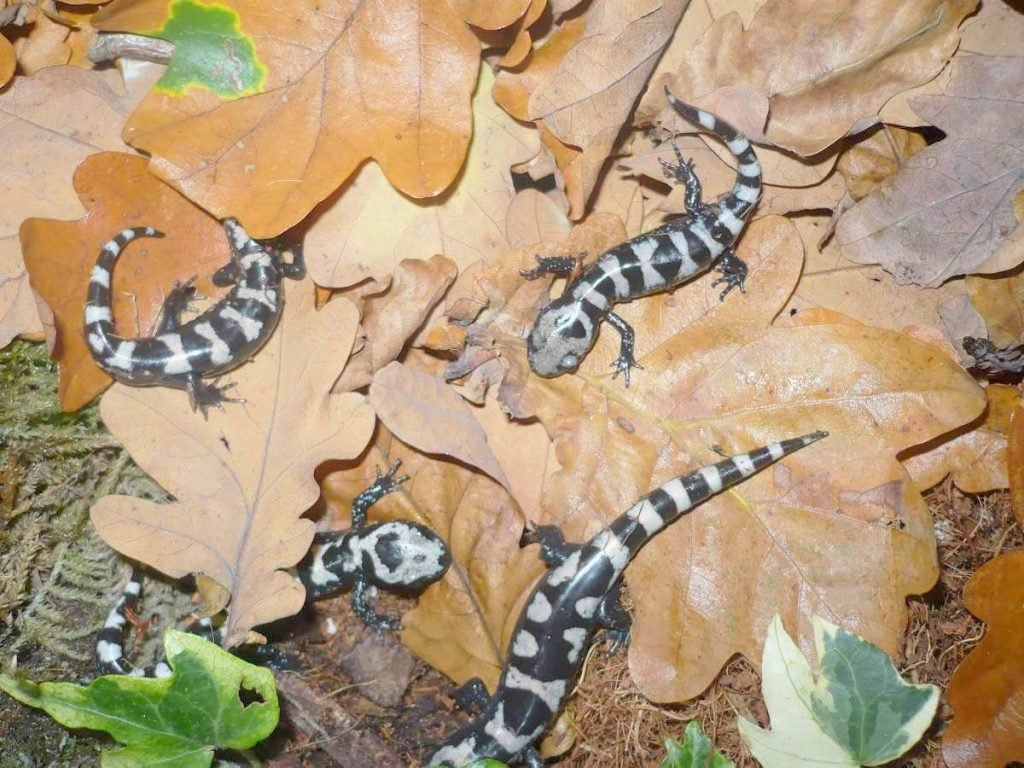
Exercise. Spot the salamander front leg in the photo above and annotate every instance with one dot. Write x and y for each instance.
(382, 486)
(625, 361)
(734, 272)
(472, 696)
(177, 302)
(553, 549)
(553, 265)
(361, 608)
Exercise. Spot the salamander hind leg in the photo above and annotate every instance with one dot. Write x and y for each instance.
(734, 272)
(203, 395)
(615, 618)
(472, 696)
(553, 549)
(296, 269)
(682, 172)
(177, 302)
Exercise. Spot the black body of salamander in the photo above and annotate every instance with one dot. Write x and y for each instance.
(659, 260)
(579, 594)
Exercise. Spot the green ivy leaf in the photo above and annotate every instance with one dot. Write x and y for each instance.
(860, 712)
(176, 721)
(696, 751)
(211, 51)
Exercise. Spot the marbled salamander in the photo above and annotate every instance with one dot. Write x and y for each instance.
(565, 609)
(659, 260)
(221, 338)
(399, 555)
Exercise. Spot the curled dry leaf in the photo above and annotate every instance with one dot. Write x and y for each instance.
(242, 479)
(345, 82)
(50, 123)
(876, 157)
(390, 318)
(369, 227)
(826, 67)
(118, 192)
(583, 107)
(838, 531)
(488, 14)
(949, 210)
(424, 411)
(1015, 461)
(987, 689)
(1000, 301)
(8, 62)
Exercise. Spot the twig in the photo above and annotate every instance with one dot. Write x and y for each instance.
(115, 45)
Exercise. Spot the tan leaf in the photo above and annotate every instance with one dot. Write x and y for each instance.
(977, 457)
(534, 218)
(345, 81)
(488, 14)
(49, 123)
(841, 532)
(367, 230)
(423, 411)
(987, 689)
(390, 318)
(118, 192)
(876, 157)
(242, 479)
(826, 67)
(949, 210)
(1000, 300)
(55, 41)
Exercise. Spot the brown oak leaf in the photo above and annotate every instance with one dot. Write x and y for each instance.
(839, 531)
(242, 479)
(49, 123)
(949, 210)
(987, 689)
(346, 82)
(118, 191)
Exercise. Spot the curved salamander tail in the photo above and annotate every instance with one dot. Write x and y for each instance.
(99, 324)
(747, 189)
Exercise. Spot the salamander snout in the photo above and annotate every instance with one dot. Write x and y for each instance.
(558, 342)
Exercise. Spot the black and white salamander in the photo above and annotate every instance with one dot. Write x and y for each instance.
(580, 593)
(180, 354)
(400, 555)
(659, 260)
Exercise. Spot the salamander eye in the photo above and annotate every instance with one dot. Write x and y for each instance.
(569, 362)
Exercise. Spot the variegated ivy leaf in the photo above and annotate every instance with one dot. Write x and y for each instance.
(858, 712)
(696, 751)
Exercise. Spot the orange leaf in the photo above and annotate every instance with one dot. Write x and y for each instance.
(987, 689)
(8, 61)
(345, 82)
(118, 192)
(1015, 462)
(243, 479)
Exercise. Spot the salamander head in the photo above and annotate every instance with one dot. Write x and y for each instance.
(560, 339)
(403, 555)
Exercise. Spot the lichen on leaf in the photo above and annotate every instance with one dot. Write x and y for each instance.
(243, 478)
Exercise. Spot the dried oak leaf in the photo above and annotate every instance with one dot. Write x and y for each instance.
(462, 624)
(977, 457)
(1015, 461)
(55, 39)
(366, 229)
(949, 209)
(8, 62)
(839, 531)
(48, 124)
(581, 106)
(987, 689)
(390, 318)
(1000, 301)
(826, 67)
(243, 478)
(289, 99)
(118, 191)
(487, 14)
